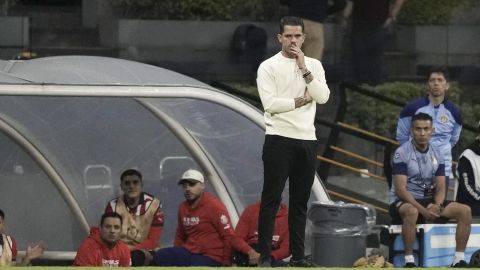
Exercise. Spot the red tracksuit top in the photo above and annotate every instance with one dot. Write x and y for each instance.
(206, 229)
(247, 229)
(94, 252)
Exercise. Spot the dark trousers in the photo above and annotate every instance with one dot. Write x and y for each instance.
(296, 160)
(368, 42)
(179, 256)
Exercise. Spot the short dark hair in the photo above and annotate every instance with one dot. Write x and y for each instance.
(422, 116)
(290, 20)
(110, 215)
(2, 214)
(441, 70)
(131, 172)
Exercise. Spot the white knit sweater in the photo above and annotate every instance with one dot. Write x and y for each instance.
(279, 82)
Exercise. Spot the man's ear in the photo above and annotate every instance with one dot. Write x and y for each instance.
(279, 37)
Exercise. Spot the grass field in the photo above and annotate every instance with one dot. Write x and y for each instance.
(168, 268)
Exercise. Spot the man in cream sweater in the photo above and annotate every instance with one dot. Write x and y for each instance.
(289, 84)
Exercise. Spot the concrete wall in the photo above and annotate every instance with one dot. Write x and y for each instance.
(207, 43)
(14, 31)
(205, 46)
(432, 44)
(174, 40)
(14, 36)
(454, 45)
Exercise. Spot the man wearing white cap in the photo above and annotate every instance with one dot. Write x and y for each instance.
(205, 235)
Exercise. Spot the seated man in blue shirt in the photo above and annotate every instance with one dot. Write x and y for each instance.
(418, 191)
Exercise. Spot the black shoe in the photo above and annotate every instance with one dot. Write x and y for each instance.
(137, 258)
(410, 265)
(265, 262)
(460, 264)
(302, 263)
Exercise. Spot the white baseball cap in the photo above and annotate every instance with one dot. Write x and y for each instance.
(190, 175)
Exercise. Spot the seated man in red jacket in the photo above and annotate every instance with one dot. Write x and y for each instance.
(103, 247)
(247, 229)
(205, 235)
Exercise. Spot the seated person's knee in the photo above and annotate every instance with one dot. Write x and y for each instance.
(409, 213)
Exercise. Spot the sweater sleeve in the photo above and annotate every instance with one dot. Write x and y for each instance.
(86, 256)
(268, 94)
(243, 225)
(180, 235)
(242, 231)
(318, 88)
(223, 225)
(457, 129)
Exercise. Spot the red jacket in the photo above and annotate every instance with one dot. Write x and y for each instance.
(247, 229)
(94, 252)
(206, 229)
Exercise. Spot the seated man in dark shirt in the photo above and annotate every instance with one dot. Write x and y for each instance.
(468, 186)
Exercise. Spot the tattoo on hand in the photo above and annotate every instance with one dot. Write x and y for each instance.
(309, 78)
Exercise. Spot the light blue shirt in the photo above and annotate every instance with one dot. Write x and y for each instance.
(421, 168)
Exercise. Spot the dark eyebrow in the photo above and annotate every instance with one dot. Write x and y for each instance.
(131, 181)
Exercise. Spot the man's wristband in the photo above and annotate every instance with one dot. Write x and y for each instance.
(306, 74)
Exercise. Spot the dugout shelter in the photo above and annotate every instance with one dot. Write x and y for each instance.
(70, 125)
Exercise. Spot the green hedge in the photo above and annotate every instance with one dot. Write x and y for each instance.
(260, 10)
(439, 12)
(381, 118)
(415, 12)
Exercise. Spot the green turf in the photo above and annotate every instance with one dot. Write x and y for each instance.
(168, 268)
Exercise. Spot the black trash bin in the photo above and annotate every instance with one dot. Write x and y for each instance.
(339, 234)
